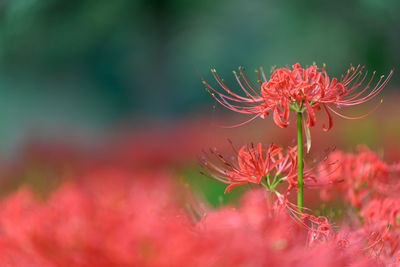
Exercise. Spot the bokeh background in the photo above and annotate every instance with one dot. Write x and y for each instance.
(79, 74)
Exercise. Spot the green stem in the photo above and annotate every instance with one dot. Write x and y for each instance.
(300, 161)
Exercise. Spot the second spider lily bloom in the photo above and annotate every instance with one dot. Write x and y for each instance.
(256, 164)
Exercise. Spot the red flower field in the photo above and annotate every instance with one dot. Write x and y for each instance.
(65, 204)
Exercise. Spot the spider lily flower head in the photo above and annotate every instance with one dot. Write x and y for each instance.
(250, 164)
(298, 89)
(308, 89)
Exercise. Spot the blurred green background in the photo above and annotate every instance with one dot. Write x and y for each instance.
(90, 65)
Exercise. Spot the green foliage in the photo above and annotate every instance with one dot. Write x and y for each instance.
(212, 191)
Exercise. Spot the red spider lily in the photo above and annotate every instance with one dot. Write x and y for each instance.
(297, 89)
(386, 210)
(383, 214)
(250, 165)
(306, 90)
(363, 174)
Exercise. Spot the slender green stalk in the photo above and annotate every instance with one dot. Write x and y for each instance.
(300, 160)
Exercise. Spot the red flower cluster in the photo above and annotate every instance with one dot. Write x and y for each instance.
(372, 186)
(110, 219)
(386, 210)
(298, 89)
(382, 214)
(358, 176)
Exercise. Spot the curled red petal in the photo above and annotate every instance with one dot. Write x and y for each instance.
(330, 122)
(311, 115)
(278, 120)
(286, 110)
(264, 86)
(231, 186)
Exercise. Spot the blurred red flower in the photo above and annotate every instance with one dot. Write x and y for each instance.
(358, 176)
